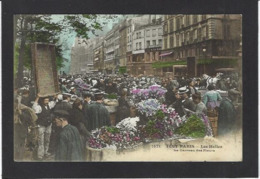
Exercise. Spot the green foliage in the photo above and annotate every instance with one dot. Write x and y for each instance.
(168, 64)
(111, 96)
(150, 129)
(113, 130)
(194, 127)
(222, 62)
(159, 114)
(42, 28)
(122, 70)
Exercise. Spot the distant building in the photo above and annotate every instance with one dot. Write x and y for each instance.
(202, 42)
(82, 56)
(111, 51)
(144, 47)
(122, 46)
(98, 62)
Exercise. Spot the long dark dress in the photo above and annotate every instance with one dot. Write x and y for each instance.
(77, 120)
(227, 117)
(98, 116)
(69, 146)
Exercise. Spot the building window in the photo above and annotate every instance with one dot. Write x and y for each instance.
(154, 42)
(154, 33)
(191, 36)
(140, 45)
(204, 31)
(148, 33)
(195, 34)
(195, 19)
(177, 23)
(160, 32)
(187, 36)
(136, 46)
(203, 17)
(171, 25)
(165, 27)
(171, 41)
(199, 34)
(160, 42)
(177, 40)
(187, 20)
(148, 43)
(165, 43)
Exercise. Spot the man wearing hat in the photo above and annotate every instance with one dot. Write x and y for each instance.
(73, 91)
(62, 104)
(43, 110)
(183, 101)
(228, 115)
(97, 113)
(69, 145)
(187, 102)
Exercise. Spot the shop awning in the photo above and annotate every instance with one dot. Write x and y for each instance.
(165, 54)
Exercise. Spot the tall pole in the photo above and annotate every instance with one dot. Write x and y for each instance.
(204, 52)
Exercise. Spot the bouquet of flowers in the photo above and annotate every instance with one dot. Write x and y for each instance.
(148, 107)
(122, 136)
(172, 117)
(154, 91)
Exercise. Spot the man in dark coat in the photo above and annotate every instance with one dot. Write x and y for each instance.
(62, 104)
(98, 115)
(170, 96)
(69, 146)
(187, 102)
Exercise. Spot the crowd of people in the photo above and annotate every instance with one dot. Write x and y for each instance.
(58, 126)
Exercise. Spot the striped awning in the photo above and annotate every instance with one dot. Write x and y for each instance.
(165, 54)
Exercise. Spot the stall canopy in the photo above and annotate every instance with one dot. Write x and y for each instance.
(165, 54)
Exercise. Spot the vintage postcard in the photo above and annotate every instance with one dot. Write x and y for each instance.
(125, 88)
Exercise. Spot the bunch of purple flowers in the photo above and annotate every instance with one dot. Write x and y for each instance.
(154, 91)
(148, 107)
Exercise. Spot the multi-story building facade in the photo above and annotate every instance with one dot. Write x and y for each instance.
(98, 62)
(122, 46)
(111, 60)
(204, 42)
(146, 46)
(135, 44)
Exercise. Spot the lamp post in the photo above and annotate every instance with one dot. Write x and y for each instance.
(204, 52)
